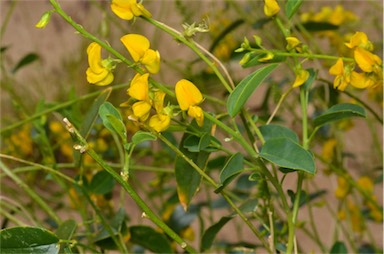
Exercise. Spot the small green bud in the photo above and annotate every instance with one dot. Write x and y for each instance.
(44, 19)
(245, 58)
(258, 40)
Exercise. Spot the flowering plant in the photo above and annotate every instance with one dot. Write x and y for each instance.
(247, 129)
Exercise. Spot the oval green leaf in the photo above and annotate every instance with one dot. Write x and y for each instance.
(28, 240)
(141, 136)
(112, 119)
(102, 183)
(277, 131)
(288, 154)
(210, 234)
(27, 59)
(150, 239)
(338, 112)
(233, 167)
(246, 87)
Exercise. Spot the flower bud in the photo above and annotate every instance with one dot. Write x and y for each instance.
(44, 20)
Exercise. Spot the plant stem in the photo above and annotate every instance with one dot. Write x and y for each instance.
(128, 188)
(197, 49)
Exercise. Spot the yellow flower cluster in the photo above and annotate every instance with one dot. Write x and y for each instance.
(371, 67)
(336, 16)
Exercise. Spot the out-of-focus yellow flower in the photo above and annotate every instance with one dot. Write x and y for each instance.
(301, 76)
(138, 46)
(99, 71)
(188, 233)
(139, 90)
(329, 148)
(360, 39)
(189, 96)
(357, 220)
(366, 184)
(335, 16)
(343, 75)
(374, 212)
(128, 9)
(293, 43)
(271, 8)
(342, 188)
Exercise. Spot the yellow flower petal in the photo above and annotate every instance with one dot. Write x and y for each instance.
(187, 94)
(360, 39)
(293, 42)
(159, 122)
(141, 110)
(366, 60)
(271, 7)
(360, 80)
(158, 101)
(136, 45)
(102, 79)
(337, 68)
(94, 57)
(139, 87)
(151, 60)
(197, 113)
(301, 77)
(123, 8)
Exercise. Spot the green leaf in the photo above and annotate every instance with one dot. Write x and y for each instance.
(197, 144)
(117, 225)
(66, 229)
(339, 248)
(245, 88)
(102, 183)
(141, 136)
(288, 154)
(271, 131)
(65, 232)
(27, 59)
(291, 7)
(150, 239)
(233, 167)
(90, 119)
(112, 120)
(210, 234)
(92, 113)
(319, 26)
(256, 58)
(338, 112)
(20, 240)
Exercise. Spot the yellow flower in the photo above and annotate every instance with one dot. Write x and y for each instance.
(360, 39)
(329, 148)
(343, 75)
(293, 43)
(99, 71)
(138, 46)
(342, 188)
(271, 7)
(188, 96)
(128, 9)
(363, 80)
(366, 184)
(160, 122)
(139, 90)
(356, 218)
(367, 61)
(301, 77)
